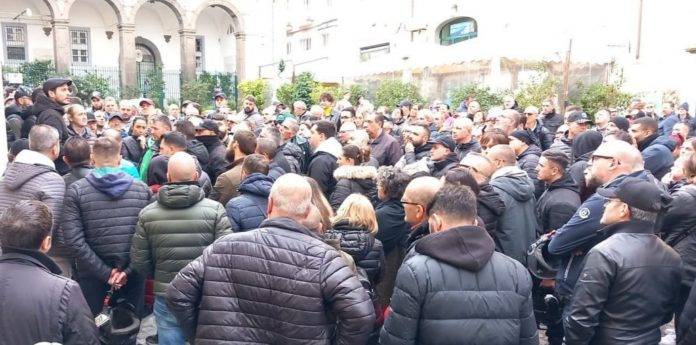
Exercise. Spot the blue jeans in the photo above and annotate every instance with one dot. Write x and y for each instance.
(168, 331)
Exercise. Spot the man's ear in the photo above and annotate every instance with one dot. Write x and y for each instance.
(46, 244)
(269, 208)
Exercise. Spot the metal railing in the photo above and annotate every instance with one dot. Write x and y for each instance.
(110, 73)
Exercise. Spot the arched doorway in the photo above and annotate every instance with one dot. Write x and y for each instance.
(146, 60)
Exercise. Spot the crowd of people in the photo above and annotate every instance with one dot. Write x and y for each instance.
(346, 223)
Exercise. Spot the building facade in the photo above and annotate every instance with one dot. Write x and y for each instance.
(123, 39)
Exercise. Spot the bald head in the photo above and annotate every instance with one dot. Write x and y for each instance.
(630, 158)
(291, 197)
(480, 165)
(422, 190)
(502, 155)
(182, 168)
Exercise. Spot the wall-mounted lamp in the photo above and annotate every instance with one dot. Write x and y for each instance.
(109, 34)
(47, 30)
(167, 38)
(27, 12)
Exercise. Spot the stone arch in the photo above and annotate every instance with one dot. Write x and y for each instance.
(227, 6)
(115, 5)
(173, 5)
(52, 8)
(151, 46)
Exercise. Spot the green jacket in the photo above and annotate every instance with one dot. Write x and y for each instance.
(174, 231)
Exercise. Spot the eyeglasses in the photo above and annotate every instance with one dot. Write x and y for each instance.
(411, 203)
(469, 167)
(345, 117)
(530, 113)
(594, 157)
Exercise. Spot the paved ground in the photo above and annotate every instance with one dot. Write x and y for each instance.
(147, 328)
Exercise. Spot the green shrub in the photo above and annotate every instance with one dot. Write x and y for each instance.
(197, 91)
(155, 86)
(36, 72)
(90, 82)
(257, 88)
(303, 87)
(284, 94)
(390, 92)
(486, 97)
(596, 96)
(540, 87)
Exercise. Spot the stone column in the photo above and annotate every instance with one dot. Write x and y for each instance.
(240, 64)
(188, 54)
(61, 45)
(126, 59)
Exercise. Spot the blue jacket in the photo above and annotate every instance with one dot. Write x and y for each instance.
(581, 234)
(248, 210)
(666, 125)
(657, 155)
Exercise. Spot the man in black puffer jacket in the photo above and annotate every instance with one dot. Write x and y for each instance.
(99, 220)
(207, 133)
(133, 146)
(562, 196)
(248, 210)
(489, 205)
(527, 157)
(457, 266)
(259, 274)
(38, 305)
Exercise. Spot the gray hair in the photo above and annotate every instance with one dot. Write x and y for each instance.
(292, 196)
(646, 216)
(43, 138)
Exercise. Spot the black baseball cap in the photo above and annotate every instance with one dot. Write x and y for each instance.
(444, 140)
(638, 193)
(210, 125)
(405, 103)
(579, 117)
(117, 116)
(219, 94)
(90, 117)
(523, 136)
(53, 83)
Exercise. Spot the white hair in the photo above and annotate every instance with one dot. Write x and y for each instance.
(291, 195)
(359, 138)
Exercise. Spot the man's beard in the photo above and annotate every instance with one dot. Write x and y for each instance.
(229, 155)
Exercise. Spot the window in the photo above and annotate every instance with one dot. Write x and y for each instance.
(289, 48)
(325, 39)
(15, 39)
(458, 30)
(370, 52)
(200, 54)
(79, 46)
(306, 43)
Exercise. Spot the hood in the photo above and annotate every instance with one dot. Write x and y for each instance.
(197, 149)
(467, 247)
(17, 174)
(586, 142)
(44, 103)
(665, 141)
(514, 182)
(257, 184)
(353, 240)
(110, 181)
(490, 198)
(532, 150)
(330, 146)
(565, 182)
(209, 141)
(33, 157)
(355, 172)
(179, 195)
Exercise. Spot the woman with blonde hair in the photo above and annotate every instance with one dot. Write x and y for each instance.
(320, 202)
(355, 227)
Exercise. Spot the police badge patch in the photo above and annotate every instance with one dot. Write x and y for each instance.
(584, 213)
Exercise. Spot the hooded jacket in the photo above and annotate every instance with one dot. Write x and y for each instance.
(624, 295)
(454, 268)
(528, 162)
(557, 205)
(440, 168)
(354, 179)
(565, 145)
(657, 154)
(196, 148)
(174, 231)
(294, 155)
(248, 210)
(321, 167)
(517, 225)
(362, 246)
(32, 177)
(541, 136)
(50, 113)
(552, 121)
(489, 206)
(99, 220)
(38, 305)
(286, 286)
